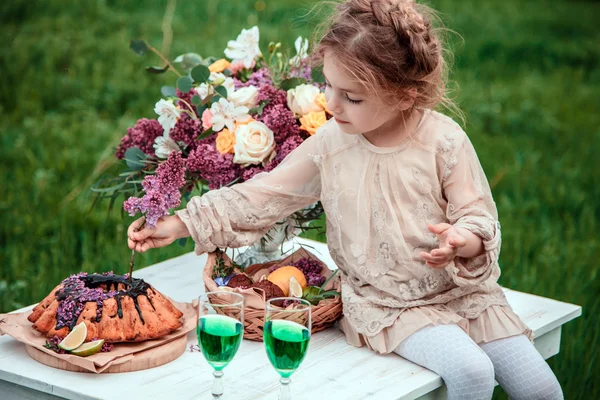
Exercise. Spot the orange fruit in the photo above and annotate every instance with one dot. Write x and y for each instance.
(281, 277)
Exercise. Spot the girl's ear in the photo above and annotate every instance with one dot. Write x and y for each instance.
(408, 99)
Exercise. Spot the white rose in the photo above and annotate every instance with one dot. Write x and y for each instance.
(246, 96)
(301, 99)
(254, 143)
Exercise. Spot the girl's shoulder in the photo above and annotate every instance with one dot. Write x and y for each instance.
(440, 134)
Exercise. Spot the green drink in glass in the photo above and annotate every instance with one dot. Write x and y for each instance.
(286, 336)
(219, 338)
(220, 331)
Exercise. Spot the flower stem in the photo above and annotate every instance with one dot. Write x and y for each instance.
(165, 60)
(133, 253)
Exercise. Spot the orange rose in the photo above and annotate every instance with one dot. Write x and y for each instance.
(312, 121)
(219, 65)
(321, 102)
(225, 141)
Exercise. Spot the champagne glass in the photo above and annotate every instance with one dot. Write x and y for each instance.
(220, 331)
(286, 336)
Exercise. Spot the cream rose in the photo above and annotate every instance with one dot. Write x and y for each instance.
(247, 96)
(254, 143)
(301, 99)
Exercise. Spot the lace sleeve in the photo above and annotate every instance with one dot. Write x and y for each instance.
(240, 215)
(470, 206)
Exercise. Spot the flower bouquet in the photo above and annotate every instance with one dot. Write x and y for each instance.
(225, 121)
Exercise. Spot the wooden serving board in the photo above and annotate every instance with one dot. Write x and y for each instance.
(144, 360)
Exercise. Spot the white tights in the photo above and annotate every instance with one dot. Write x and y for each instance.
(468, 370)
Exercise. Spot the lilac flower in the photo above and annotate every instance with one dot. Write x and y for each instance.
(162, 191)
(218, 169)
(281, 121)
(186, 130)
(142, 135)
(272, 94)
(258, 78)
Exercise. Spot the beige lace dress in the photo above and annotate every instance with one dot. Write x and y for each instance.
(378, 202)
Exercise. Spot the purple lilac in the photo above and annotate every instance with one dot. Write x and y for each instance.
(303, 70)
(77, 294)
(142, 135)
(186, 130)
(218, 169)
(258, 78)
(310, 268)
(273, 95)
(281, 121)
(162, 191)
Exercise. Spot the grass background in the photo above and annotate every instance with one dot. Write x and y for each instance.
(529, 82)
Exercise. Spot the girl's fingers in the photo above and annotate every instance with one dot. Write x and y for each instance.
(430, 258)
(438, 229)
(143, 234)
(437, 265)
(445, 252)
(133, 227)
(457, 241)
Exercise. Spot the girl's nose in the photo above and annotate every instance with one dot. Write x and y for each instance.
(333, 104)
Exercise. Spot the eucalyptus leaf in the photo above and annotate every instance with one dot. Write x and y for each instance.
(134, 157)
(157, 70)
(205, 134)
(189, 60)
(139, 47)
(222, 90)
(196, 100)
(200, 73)
(291, 83)
(184, 84)
(200, 109)
(168, 91)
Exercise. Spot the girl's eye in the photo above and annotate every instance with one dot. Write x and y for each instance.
(353, 101)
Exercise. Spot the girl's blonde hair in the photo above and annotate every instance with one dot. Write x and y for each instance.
(391, 48)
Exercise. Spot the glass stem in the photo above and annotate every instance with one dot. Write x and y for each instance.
(284, 391)
(217, 387)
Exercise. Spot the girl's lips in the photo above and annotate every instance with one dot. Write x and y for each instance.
(339, 121)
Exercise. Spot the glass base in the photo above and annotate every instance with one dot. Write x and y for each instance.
(217, 387)
(284, 391)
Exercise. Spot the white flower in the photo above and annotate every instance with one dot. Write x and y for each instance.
(301, 99)
(245, 47)
(254, 143)
(246, 96)
(168, 114)
(225, 113)
(204, 90)
(219, 79)
(164, 145)
(301, 50)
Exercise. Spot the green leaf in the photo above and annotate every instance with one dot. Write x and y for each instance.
(328, 279)
(134, 157)
(196, 100)
(184, 84)
(316, 74)
(200, 73)
(168, 91)
(205, 134)
(139, 47)
(215, 98)
(157, 70)
(189, 60)
(291, 83)
(200, 109)
(222, 90)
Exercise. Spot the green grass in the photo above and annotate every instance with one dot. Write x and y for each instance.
(529, 82)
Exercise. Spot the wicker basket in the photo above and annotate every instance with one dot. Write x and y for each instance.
(324, 314)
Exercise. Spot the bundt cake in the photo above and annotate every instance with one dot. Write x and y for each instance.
(113, 309)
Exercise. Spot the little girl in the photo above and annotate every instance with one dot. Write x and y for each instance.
(410, 218)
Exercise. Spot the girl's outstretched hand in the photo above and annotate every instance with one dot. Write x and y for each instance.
(450, 241)
(167, 230)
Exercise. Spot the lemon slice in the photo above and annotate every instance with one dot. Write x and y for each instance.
(75, 338)
(87, 349)
(295, 288)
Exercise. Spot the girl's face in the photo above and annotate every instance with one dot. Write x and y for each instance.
(354, 110)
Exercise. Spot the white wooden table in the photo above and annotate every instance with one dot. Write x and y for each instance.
(331, 369)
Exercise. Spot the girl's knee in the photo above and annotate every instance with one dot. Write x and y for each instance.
(546, 389)
(473, 378)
